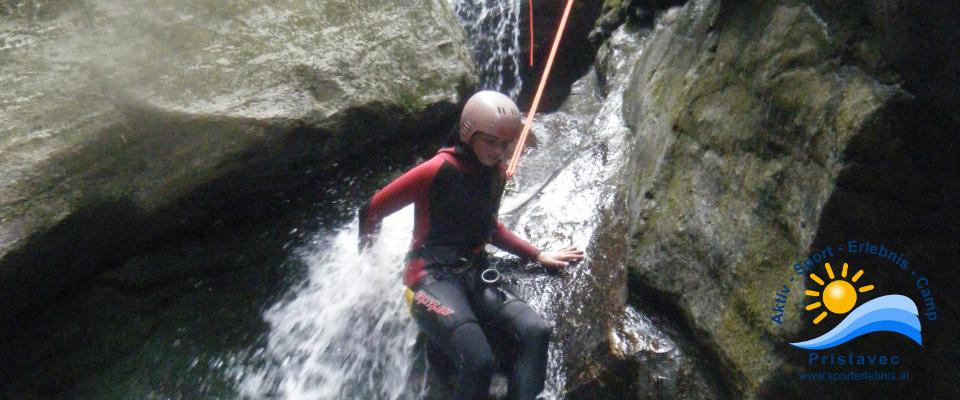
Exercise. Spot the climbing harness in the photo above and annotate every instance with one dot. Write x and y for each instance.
(490, 276)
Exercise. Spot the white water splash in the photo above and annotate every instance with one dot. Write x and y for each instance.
(345, 333)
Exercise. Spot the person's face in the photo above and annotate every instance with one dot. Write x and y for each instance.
(490, 150)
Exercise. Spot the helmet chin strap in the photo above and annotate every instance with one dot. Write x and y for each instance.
(512, 167)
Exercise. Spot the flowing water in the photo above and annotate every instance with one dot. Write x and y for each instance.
(343, 333)
(493, 31)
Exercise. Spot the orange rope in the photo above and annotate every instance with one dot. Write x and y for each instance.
(512, 167)
(530, 7)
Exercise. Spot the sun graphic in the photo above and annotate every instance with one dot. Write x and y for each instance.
(839, 296)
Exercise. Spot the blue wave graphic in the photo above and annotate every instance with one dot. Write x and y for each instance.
(891, 313)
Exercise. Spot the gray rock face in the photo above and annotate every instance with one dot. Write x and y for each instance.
(122, 122)
(761, 136)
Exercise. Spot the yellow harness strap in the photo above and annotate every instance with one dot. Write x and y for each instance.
(408, 298)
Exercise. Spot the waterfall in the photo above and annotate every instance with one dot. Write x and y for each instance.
(493, 32)
(344, 333)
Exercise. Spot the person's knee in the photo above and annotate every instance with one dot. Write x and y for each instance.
(481, 363)
(539, 331)
(528, 326)
(534, 330)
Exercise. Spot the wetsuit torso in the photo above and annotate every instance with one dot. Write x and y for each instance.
(456, 203)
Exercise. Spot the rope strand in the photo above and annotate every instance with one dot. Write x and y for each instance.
(530, 51)
(511, 168)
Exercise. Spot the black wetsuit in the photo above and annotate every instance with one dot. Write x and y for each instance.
(457, 200)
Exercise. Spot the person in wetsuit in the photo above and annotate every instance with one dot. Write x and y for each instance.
(457, 198)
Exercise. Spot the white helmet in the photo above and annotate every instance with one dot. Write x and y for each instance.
(491, 113)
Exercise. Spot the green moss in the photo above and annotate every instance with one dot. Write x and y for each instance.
(410, 100)
(741, 345)
(611, 4)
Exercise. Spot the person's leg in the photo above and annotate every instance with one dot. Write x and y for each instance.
(500, 308)
(532, 334)
(442, 311)
(474, 358)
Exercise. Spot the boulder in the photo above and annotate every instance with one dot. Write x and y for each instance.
(126, 124)
(767, 131)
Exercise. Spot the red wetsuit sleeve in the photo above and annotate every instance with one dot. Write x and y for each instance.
(397, 194)
(510, 242)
